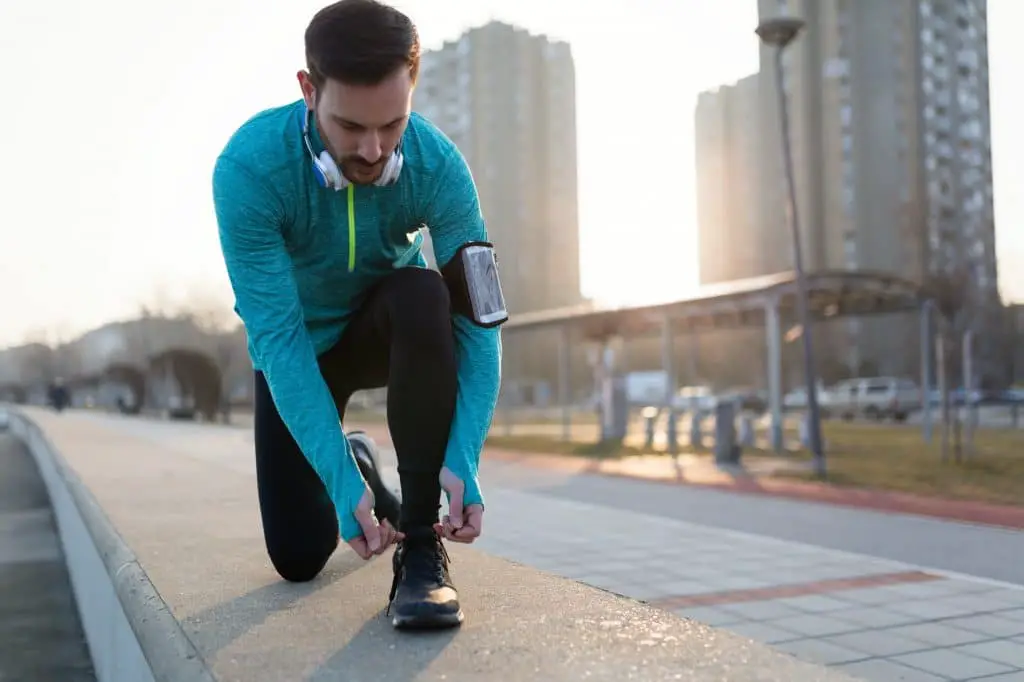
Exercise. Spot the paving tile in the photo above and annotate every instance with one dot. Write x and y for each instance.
(1015, 614)
(820, 651)
(934, 609)
(878, 643)
(978, 603)
(710, 615)
(869, 595)
(936, 634)
(882, 670)
(678, 587)
(762, 610)
(814, 625)
(817, 603)
(761, 632)
(1004, 651)
(1008, 677)
(1009, 597)
(875, 617)
(953, 664)
(994, 626)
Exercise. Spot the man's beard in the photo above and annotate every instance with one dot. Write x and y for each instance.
(357, 170)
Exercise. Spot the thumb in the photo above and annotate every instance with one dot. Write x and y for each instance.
(367, 521)
(456, 489)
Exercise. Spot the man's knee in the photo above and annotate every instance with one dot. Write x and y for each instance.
(420, 303)
(299, 565)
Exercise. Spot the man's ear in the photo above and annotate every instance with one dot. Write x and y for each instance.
(308, 89)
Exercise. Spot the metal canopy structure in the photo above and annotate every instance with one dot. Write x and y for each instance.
(760, 301)
(738, 303)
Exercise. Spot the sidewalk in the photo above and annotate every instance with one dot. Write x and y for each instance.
(875, 619)
(880, 620)
(183, 498)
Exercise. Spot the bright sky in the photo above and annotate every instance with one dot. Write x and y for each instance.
(114, 111)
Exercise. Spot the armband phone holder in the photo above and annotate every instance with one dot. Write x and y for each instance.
(472, 279)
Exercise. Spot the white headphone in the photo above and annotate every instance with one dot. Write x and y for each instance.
(330, 176)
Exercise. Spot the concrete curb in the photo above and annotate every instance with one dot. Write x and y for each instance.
(131, 632)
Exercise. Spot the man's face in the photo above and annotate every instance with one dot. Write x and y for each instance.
(361, 124)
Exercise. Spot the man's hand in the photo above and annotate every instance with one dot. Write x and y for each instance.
(461, 524)
(376, 538)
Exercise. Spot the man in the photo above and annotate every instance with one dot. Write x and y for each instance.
(319, 205)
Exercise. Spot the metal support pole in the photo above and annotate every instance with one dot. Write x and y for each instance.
(803, 315)
(927, 311)
(564, 389)
(773, 331)
(667, 365)
(943, 380)
(969, 403)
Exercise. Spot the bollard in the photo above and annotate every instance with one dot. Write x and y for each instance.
(696, 434)
(746, 436)
(671, 433)
(650, 417)
(727, 451)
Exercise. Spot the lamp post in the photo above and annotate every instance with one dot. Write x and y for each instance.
(779, 33)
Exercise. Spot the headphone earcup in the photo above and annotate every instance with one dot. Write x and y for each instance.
(392, 169)
(332, 174)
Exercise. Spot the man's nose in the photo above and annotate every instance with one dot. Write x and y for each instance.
(370, 148)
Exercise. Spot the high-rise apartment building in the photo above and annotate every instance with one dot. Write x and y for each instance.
(889, 117)
(507, 99)
(730, 150)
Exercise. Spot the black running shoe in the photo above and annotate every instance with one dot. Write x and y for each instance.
(422, 594)
(386, 504)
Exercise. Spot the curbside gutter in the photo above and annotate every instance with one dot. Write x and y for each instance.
(131, 633)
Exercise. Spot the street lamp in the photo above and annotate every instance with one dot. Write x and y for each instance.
(779, 33)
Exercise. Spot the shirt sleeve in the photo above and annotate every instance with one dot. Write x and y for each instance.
(250, 217)
(454, 218)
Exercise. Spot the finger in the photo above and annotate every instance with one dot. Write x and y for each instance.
(385, 536)
(455, 512)
(467, 534)
(359, 546)
(371, 531)
(473, 526)
(449, 527)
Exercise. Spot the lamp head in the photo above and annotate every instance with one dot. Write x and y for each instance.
(780, 31)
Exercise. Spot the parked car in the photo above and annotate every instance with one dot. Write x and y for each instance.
(875, 398)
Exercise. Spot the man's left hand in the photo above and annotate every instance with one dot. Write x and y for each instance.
(460, 524)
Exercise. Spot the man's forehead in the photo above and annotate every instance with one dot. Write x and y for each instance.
(367, 105)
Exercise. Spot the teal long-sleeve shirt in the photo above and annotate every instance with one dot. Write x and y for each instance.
(301, 257)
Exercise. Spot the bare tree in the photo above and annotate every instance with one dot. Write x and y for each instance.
(951, 293)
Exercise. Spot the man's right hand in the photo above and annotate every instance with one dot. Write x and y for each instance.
(376, 537)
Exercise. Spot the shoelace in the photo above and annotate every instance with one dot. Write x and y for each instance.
(427, 563)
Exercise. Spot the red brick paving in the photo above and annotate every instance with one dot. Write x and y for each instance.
(794, 590)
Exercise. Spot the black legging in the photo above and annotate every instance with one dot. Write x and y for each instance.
(400, 338)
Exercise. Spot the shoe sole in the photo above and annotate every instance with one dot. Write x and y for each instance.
(435, 622)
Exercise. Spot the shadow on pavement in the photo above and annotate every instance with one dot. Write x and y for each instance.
(228, 621)
(379, 652)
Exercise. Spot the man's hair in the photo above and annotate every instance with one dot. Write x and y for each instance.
(360, 42)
